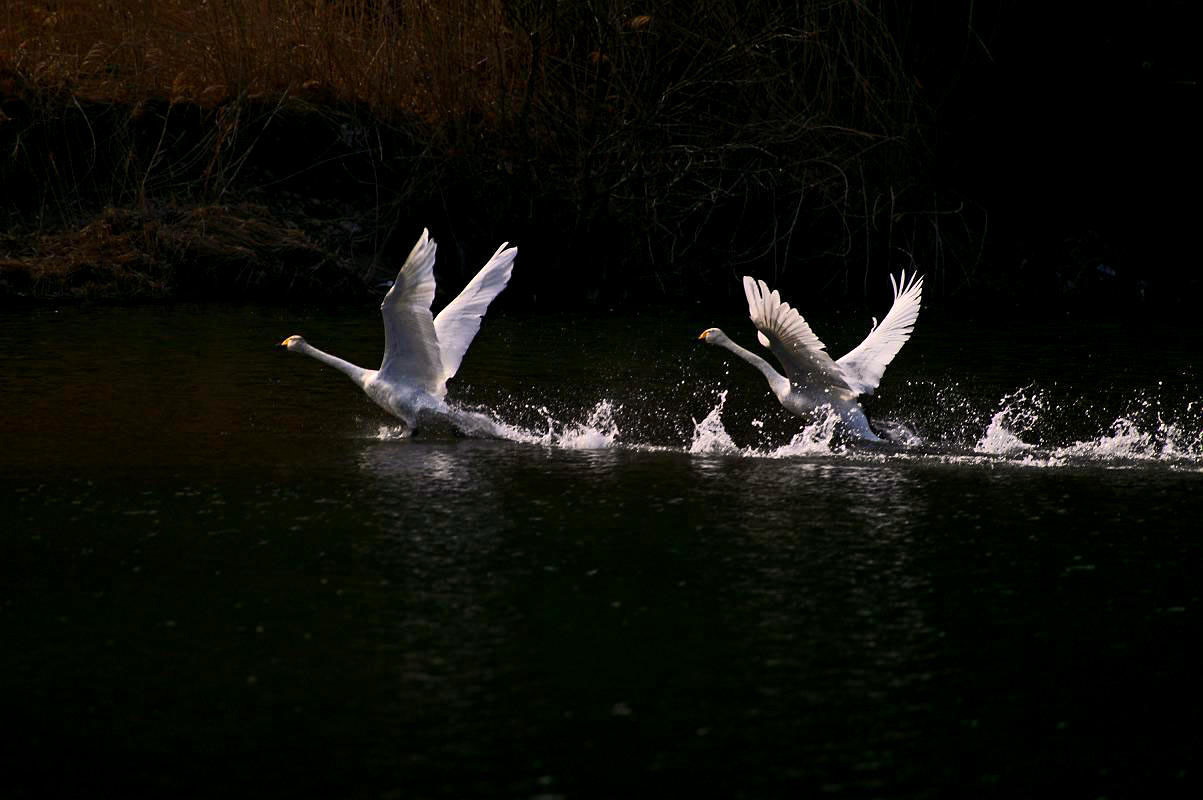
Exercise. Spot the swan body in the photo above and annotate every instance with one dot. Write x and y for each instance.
(812, 378)
(421, 351)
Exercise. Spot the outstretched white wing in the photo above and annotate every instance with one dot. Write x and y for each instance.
(864, 365)
(457, 324)
(782, 330)
(411, 349)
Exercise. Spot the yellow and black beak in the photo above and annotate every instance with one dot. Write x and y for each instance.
(702, 336)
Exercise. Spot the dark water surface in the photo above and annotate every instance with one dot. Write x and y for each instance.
(222, 574)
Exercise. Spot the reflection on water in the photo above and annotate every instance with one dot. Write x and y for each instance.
(223, 569)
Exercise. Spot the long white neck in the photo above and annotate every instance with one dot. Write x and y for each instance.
(353, 372)
(777, 382)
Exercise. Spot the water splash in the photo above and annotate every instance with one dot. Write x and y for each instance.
(473, 423)
(1031, 426)
(393, 433)
(1020, 428)
(598, 431)
(1182, 442)
(709, 435)
(1128, 441)
(999, 440)
(817, 438)
(1018, 414)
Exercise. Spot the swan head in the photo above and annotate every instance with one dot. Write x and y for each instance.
(712, 336)
(292, 342)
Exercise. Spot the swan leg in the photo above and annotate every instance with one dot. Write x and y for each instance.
(474, 424)
(854, 417)
(408, 421)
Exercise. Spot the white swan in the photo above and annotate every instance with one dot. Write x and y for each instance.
(421, 352)
(812, 379)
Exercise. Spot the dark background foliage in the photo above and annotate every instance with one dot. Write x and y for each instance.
(1020, 155)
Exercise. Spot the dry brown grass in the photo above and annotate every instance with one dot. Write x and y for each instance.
(436, 59)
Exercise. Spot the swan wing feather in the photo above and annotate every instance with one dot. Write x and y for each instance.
(865, 364)
(801, 353)
(411, 347)
(459, 321)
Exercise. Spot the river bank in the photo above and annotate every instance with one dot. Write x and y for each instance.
(633, 156)
(284, 150)
(290, 198)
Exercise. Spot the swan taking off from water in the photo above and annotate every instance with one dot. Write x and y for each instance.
(812, 379)
(421, 351)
